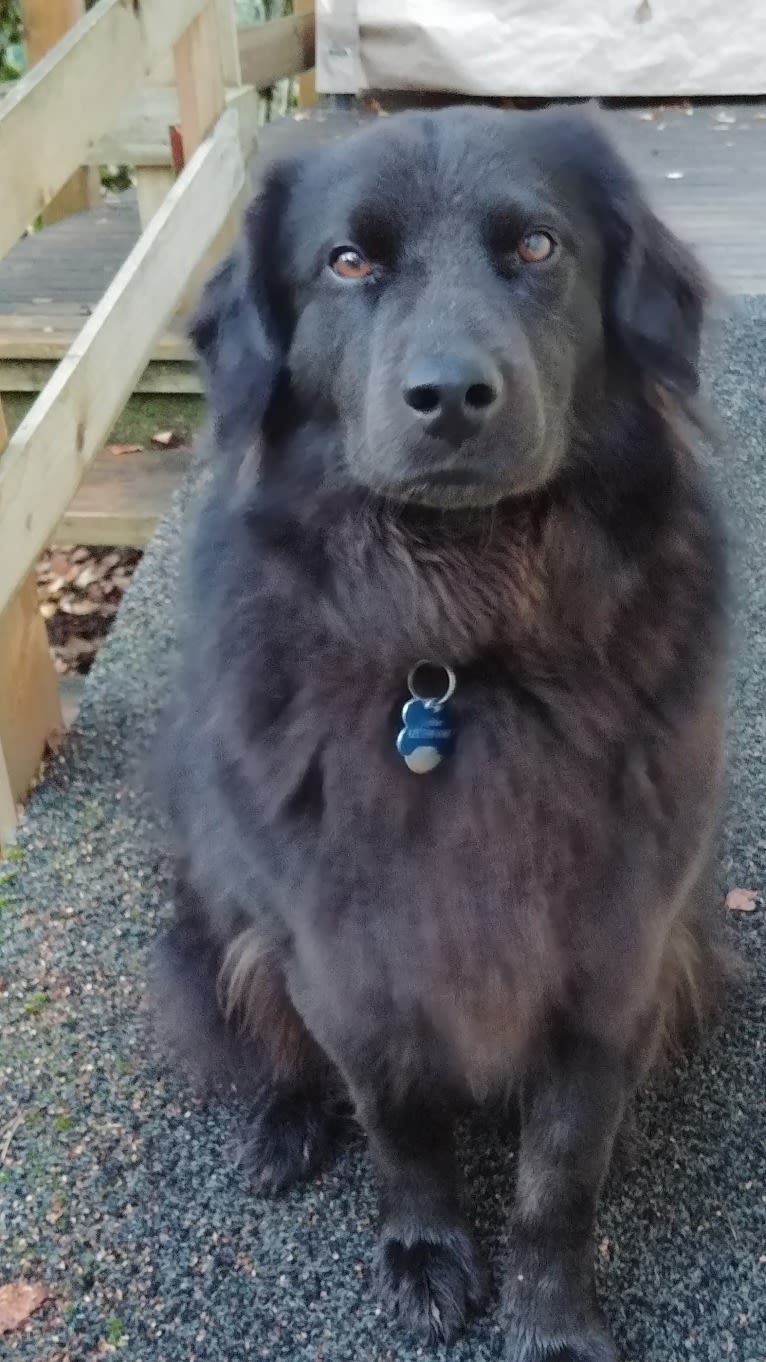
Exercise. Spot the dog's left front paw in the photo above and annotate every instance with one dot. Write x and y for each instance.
(589, 1343)
(431, 1280)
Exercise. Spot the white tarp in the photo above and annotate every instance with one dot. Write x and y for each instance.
(538, 48)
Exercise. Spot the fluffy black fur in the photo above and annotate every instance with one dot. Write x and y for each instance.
(532, 916)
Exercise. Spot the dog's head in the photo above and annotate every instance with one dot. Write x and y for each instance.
(452, 295)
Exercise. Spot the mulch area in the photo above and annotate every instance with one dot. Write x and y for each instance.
(80, 590)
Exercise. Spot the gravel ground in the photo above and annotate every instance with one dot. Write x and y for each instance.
(122, 1194)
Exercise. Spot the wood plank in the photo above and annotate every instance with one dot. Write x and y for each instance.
(279, 48)
(30, 711)
(89, 73)
(122, 498)
(52, 338)
(178, 376)
(70, 421)
(44, 23)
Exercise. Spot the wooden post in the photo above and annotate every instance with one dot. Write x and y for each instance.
(199, 66)
(228, 42)
(307, 90)
(199, 76)
(152, 184)
(217, 29)
(30, 709)
(45, 21)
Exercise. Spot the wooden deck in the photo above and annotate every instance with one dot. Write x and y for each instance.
(704, 169)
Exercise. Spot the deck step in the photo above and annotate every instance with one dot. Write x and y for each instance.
(122, 498)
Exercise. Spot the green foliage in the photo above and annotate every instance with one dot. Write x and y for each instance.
(34, 1005)
(12, 60)
(115, 1330)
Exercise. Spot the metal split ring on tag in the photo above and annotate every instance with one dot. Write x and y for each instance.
(428, 735)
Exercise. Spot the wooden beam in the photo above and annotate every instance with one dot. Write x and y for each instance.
(279, 48)
(45, 22)
(69, 422)
(307, 90)
(201, 100)
(22, 342)
(88, 74)
(30, 711)
(176, 374)
(199, 78)
(228, 39)
(7, 801)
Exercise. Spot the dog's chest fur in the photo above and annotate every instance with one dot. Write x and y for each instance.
(466, 903)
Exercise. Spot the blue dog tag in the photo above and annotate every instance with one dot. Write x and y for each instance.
(428, 734)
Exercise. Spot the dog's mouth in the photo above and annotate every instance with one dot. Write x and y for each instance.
(447, 486)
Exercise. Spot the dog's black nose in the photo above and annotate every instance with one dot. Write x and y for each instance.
(453, 393)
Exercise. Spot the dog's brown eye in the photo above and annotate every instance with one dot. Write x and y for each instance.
(535, 247)
(349, 263)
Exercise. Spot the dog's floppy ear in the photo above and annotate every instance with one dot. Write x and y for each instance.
(657, 295)
(241, 326)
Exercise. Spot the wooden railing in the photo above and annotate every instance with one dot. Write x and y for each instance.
(51, 124)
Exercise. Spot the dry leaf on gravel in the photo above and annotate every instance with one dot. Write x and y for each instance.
(124, 449)
(741, 900)
(18, 1300)
(167, 439)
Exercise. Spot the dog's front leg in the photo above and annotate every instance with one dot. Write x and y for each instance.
(428, 1271)
(572, 1102)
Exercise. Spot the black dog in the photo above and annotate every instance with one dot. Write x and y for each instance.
(450, 366)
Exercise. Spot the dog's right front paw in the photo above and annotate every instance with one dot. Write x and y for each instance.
(431, 1279)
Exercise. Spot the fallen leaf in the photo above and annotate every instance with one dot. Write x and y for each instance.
(18, 1300)
(79, 554)
(741, 900)
(79, 647)
(124, 449)
(92, 572)
(73, 605)
(48, 609)
(167, 439)
(58, 565)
